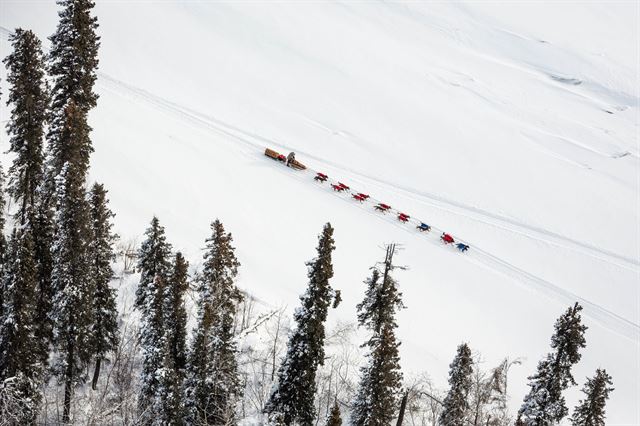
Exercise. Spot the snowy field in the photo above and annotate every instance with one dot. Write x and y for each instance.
(513, 126)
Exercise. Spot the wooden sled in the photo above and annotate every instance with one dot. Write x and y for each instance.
(295, 164)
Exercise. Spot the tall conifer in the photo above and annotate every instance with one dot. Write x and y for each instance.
(155, 269)
(20, 367)
(73, 285)
(28, 98)
(213, 386)
(101, 254)
(73, 65)
(173, 374)
(381, 378)
(456, 404)
(292, 398)
(590, 411)
(544, 404)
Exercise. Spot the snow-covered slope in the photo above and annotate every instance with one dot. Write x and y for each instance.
(514, 127)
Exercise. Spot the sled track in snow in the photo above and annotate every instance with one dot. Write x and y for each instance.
(255, 144)
(499, 221)
(606, 318)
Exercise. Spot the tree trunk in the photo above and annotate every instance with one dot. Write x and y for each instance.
(403, 407)
(68, 385)
(96, 374)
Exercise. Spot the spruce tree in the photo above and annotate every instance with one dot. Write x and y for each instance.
(72, 67)
(334, 417)
(20, 367)
(153, 260)
(544, 404)
(101, 254)
(381, 378)
(73, 63)
(171, 386)
(155, 269)
(292, 398)
(590, 411)
(213, 387)
(154, 348)
(28, 97)
(455, 404)
(73, 284)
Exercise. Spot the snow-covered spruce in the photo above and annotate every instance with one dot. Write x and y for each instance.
(381, 378)
(455, 404)
(292, 398)
(105, 314)
(20, 366)
(73, 65)
(171, 388)
(29, 100)
(590, 411)
(72, 311)
(213, 385)
(154, 266)
(545, 404)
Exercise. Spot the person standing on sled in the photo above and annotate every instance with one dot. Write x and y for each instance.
(290, 158)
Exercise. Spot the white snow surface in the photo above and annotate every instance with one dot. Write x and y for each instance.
(514, 126)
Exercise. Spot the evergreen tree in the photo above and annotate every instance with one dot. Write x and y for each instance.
(155, 269)
(28, 95)
(20, 367)
(292, 398)
(101, 254)
(73, 284)
(590, 411)
(153, 260)
(544, 404)
(381, 378)
(455, 404)
(334, 417)
(154, 347)
(73, 64)
(213, 387)
(29, 98)
(172, 404)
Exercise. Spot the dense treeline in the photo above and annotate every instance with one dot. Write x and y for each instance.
(60, 321)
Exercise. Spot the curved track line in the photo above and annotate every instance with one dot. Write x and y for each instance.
(432, 199)
(604, 317)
